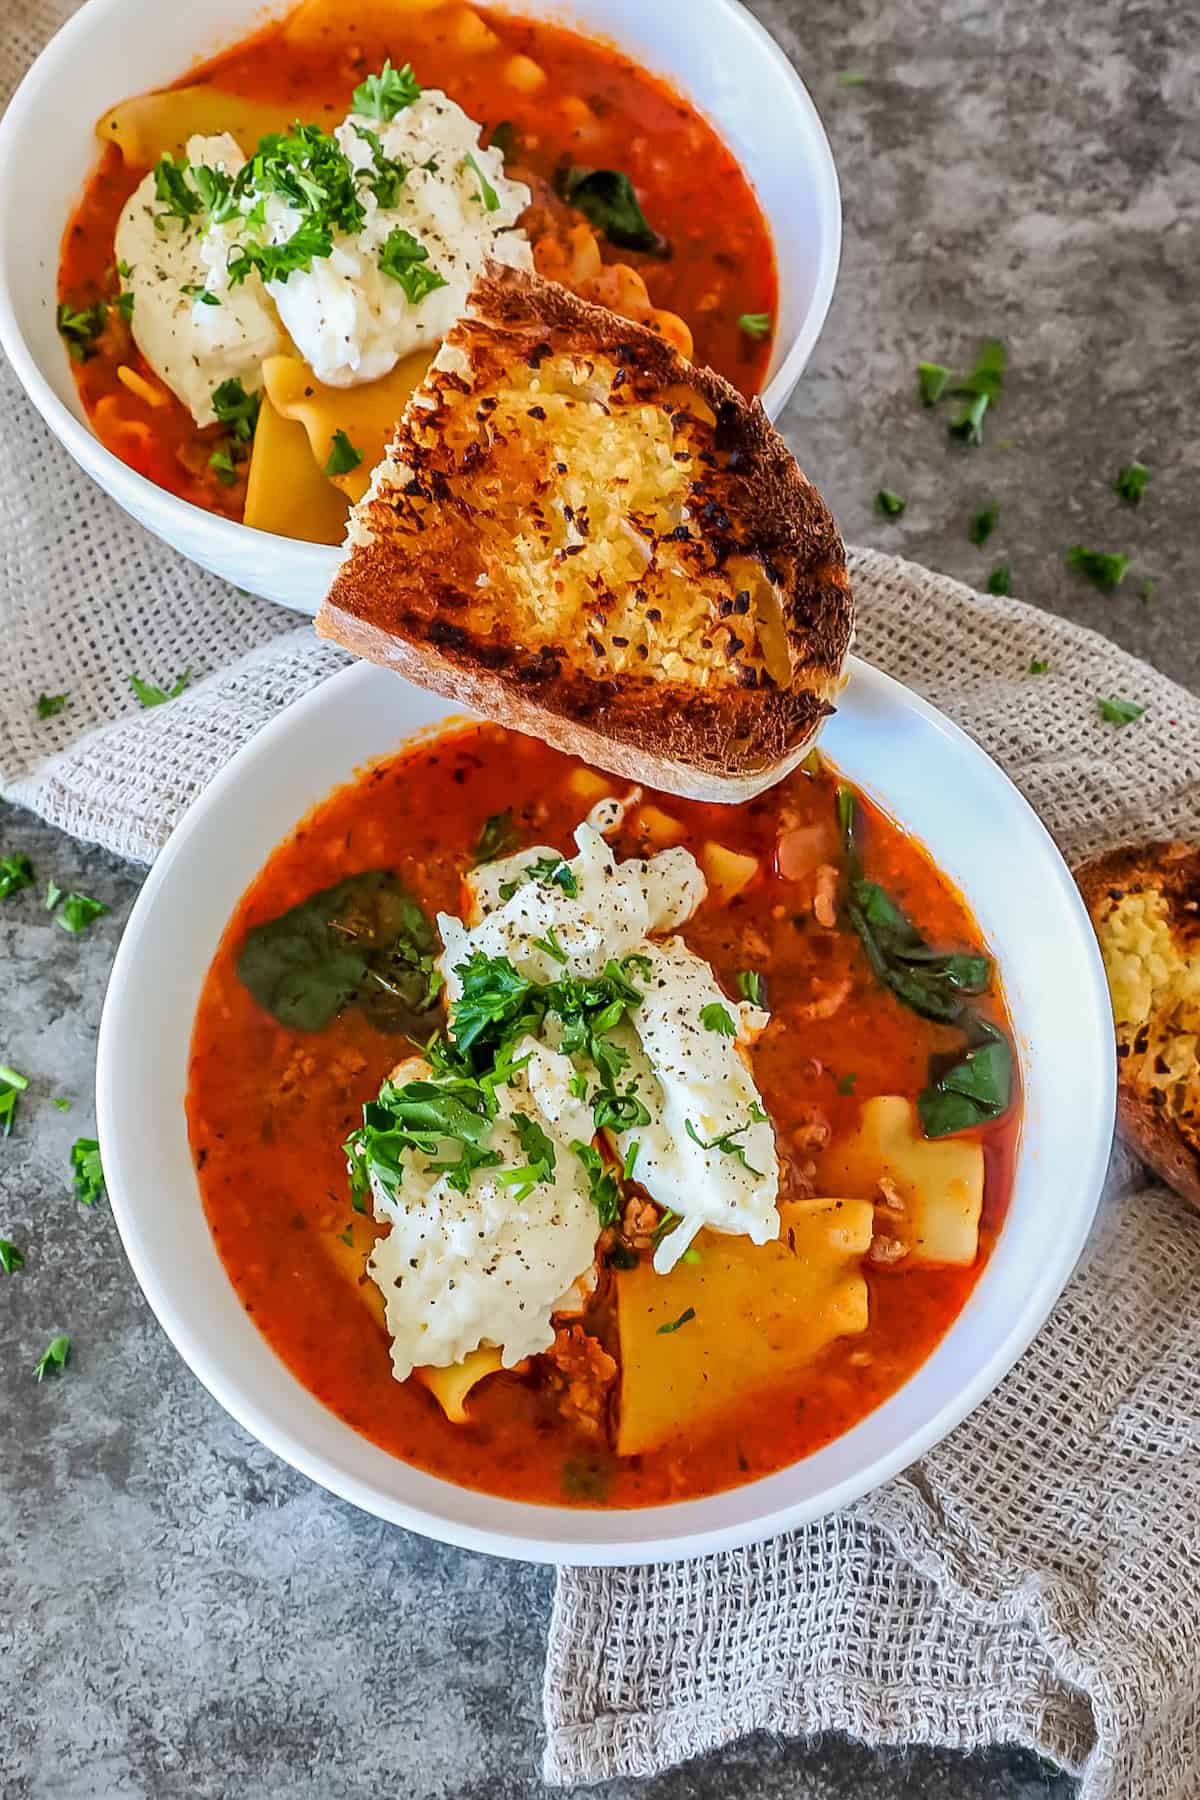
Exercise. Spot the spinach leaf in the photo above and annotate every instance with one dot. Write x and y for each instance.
(931, 982)
(607, 200)
(972, 1090)
(363, 941)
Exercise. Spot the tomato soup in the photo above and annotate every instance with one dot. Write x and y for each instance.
(270, 1105)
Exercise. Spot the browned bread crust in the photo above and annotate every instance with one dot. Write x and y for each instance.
(1144, 900)
(698, 641)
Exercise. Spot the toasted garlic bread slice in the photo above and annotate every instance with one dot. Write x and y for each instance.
(583, 536)
(1145, 905)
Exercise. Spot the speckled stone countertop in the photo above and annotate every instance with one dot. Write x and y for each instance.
(180, 1614)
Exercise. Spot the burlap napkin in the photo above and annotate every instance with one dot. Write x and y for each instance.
(1035, 1578)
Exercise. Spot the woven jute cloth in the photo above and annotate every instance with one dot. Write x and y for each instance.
(1036, 1578)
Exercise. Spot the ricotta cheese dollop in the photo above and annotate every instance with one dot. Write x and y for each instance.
(193, 343)
(434, 206)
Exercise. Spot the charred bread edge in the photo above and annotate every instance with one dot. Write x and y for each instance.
(765, 731)
(1159, 1142)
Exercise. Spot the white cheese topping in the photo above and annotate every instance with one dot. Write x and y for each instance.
(686, 1073)
(193, 345)
(489, 1266)
(350, 321)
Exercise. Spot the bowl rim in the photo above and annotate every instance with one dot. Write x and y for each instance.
(652, 1543)
(228, 538)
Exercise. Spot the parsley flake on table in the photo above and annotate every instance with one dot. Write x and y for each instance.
(1104, 569)
(718, 1018)
(889, 504)
(86, 1171)
(12, 1086)
(999, 581)
(62, 1105)
(343, 456)
(406, 260)
(11, 1259)
(850, 78)
(932, 381)
(16, 872)
(50, 704)
(1115, 711)
(983, 523)
(980, 388)
(1039, 665)
(149, 695)
(754, 325)
(53, 894)
(1131, 481)
(78, 911)
(384, 95)
(54, 1358)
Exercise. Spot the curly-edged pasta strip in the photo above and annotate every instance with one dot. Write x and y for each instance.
(575, 262)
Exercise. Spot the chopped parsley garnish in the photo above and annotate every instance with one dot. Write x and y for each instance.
(727, 1141)
(551, 945)
(548, 871)
(1104, 569)
(497, 837)
(12, 1086)
(889, 504)
(752, 987)
(347, 1236)
(719, 1019)
(78, 911)
(54, 1358)
(607, 200)
(16, 872)
(983, 523)
(11, 1259)
(309, 242)
(223, 466)
(999, 580)
(488, 196)
(48, 705)
(196, 290)
(384, 95)
(343, 456)
(846, 1083)
(79, 328)
(541, 1154)
(217, 192)
(630, 1163)
(236, 408)
(619, 1111)
(1131, 481)
(603, 1190)
(179, 199)
(87, 1174)
(149, 695)
(406, 260)
(932, 379)
(1039, 665)
(124, 306)
(386, 176)
(754, 325)
(53, 895)
(688, 1313)
(1118, 712)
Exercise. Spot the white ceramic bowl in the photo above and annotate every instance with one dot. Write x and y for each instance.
(909, 759)
(713, 51)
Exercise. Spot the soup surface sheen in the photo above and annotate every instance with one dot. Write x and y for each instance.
(269, 1108)
(592, 108)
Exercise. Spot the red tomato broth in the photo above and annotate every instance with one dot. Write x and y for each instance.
(692, 189)
(269, 1108)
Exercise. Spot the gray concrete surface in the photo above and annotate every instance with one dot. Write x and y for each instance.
(180, 1615)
